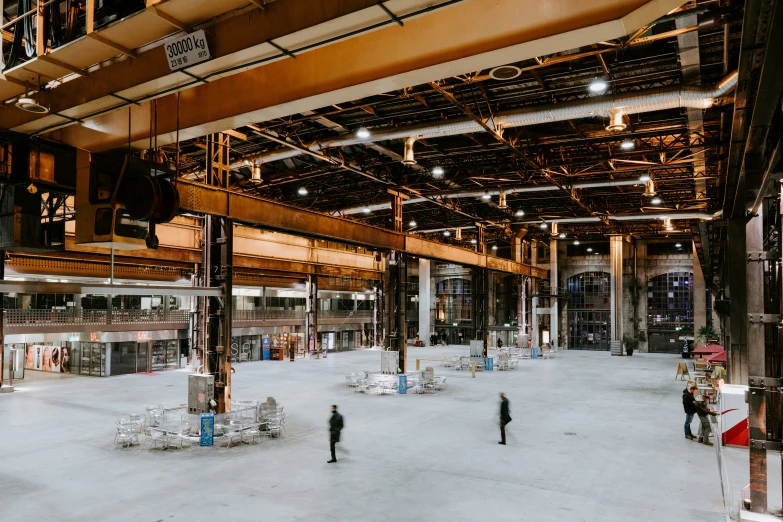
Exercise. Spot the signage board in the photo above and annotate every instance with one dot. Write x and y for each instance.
(187, 50)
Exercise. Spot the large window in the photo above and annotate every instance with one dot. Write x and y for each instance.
(588, 311)
(452, 301)
(670, 301)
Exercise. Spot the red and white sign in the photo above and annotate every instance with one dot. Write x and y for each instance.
(734, 418)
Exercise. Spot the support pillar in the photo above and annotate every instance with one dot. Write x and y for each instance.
(699, 297)
(2, 319)
(377, 316)
(395, 305)
(479, 303)
(738, 306)
(554, 289)
(522, 311)
(616, 290)
(219, 242)
(535, 336)
(425, 287)
(756, 350)
(397, 199)
(311, 311)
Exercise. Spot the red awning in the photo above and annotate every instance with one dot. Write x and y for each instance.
(719, 357)
(710, 348)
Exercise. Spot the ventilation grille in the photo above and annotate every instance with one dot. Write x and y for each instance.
(505, 72)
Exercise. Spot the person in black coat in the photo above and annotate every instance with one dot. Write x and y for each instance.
(500, 343)
(688, 404)
(505, 417)
(335, 427)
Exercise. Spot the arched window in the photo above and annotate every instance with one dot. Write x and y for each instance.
(669, 310)
(588, 311)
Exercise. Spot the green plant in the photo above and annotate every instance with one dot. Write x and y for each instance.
(707, 333)
(631, 343)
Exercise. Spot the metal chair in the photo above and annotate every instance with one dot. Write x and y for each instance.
(154, 437)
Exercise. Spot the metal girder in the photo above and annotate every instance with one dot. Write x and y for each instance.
(40, 287)
(199, 198)
(444, 46)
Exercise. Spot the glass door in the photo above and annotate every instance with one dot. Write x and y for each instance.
(172, 354)
(158, 356)
(142, 357)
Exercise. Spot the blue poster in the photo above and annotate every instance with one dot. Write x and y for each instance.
(265, 343)
(489, 364)
(207, 429)
(402, 385)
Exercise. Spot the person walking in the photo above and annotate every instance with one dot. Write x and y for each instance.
(500, 343)
(505, 417)
(336, 425)
(688, 404)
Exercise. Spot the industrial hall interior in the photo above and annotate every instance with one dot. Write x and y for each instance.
(361, 260)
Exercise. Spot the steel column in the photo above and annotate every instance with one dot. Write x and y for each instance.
(395, 317)
(377, 316)
(553, 289)
(424, 299)
(521, 311)
(219, 271)
(480, 306)
(311, 316)
(616, 287)
(2, 335)
(756, 351)
(738, 307)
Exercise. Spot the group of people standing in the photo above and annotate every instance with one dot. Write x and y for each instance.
(695, 405)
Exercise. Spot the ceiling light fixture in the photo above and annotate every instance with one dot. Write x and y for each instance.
(362, 133)
(520, 213)
(30, 105)
(447, 233)
(678, 245)
(412, 223)
(494, 247)
(437, 172)
(627, 144)
(644, 178)
(589, 249)
(598, 86)
(544, 225)
(302, 191)
(486, 195)
(366, 210)
(473, 241)
(576, 241)
(656, 201)
(596, 253)
(562, 235)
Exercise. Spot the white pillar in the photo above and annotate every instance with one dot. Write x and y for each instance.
(536, 339)
(616, 287)
(425, 283)
(553, 285)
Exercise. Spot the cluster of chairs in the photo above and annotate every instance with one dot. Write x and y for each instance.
(506, 361)
(247, 423)
(388, 384)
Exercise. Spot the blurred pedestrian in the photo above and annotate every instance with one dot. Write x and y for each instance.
(505, 417)
(336, 425)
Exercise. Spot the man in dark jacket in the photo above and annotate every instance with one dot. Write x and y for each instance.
(505, 417)
(703, 411)
(500, 343)
(335, 427)
(688, 404)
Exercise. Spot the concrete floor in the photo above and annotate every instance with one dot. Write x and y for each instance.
(594, 438)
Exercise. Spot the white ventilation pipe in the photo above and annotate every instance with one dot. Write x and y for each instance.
(632, 217)
(682, 96)
(480, 193)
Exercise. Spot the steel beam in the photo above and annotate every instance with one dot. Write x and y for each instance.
(272, 215)
(40, 287)
(428, 48)
(738, 305)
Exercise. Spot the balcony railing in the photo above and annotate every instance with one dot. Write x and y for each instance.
(17, 317)
(269, 315)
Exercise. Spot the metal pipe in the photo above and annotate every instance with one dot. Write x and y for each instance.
(407, 155)
(682, 96)
(630, 217)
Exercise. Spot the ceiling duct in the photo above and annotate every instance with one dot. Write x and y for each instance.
(256, 174)
(458, 235)
(407, 155)
(502, 200)
(616, 123)
(649, 189)
(680, 96)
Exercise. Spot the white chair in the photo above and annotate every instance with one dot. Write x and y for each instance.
(126, 435)
(154, 437)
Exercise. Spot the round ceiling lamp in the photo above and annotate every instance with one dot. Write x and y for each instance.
(362, 133)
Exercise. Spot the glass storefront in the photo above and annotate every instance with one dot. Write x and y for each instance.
(588, 311)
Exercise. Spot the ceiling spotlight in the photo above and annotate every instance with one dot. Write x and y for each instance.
(596, 253)
(656, 201)
(598, 86)
(576, 241)
(520, 213)
(447, 233)
(544, 225)
(412, 223)
(589, 249)
(627, 144)
(362, 133)
(562, 235)
(678, 245)
(644, 178)
(366, 210)
(30, 105)
(494, 247)
(486, 195)
(302, 191)
(473, 241)
(437, 172)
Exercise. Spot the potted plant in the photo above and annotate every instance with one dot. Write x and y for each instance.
(707, 333)
(631, 344)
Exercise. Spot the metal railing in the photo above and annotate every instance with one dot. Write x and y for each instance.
(17, 317)
(260, 315)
